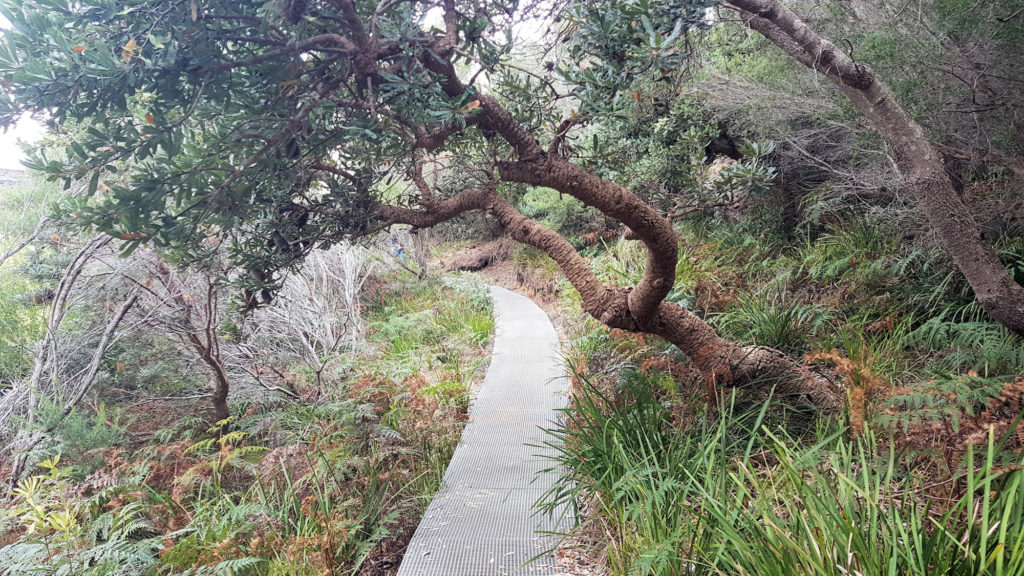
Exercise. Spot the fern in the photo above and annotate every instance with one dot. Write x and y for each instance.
(23, 559)
(987, 348)
(233, 567)
(110, 543)
(944, 399)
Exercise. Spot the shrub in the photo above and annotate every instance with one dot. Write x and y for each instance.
(733, 495)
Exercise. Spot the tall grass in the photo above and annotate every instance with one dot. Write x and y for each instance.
(422, 322)
(787, 326)
(732, 495)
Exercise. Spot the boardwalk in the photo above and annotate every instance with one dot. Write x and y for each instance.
(481, 521)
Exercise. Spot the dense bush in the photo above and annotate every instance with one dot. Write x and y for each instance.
(319, 483)
(730, 493)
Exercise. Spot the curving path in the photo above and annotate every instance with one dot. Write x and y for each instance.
(481, 522)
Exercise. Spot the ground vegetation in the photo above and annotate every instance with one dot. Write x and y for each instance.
(787, 271)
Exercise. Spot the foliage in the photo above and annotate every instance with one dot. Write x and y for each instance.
(733, 495)
(199, 124)
(786, 326)
(614, 43)
(563, 214)
(423, 329)
(20, 325)
(85, 435)
(982, 347)
(316, 483)
(89, 537)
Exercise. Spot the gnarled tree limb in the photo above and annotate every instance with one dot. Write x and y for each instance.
(948, 215)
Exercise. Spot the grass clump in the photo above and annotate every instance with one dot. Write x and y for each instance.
(786, 326)
(734, 493)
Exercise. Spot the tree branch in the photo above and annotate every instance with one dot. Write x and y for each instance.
(25, 242)
(437, 211)
(316, 42)
(1014, 163)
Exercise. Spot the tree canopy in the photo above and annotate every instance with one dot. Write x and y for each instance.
(272, 128)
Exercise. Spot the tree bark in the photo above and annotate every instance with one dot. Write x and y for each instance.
(638, 309)
(721, 362)
(421, 248)
(948, 215)
(202, 339)
(221, 382)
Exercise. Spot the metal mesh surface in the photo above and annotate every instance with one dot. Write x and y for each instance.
(482, 522)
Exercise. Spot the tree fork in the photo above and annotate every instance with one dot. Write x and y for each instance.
(642, 308)
(917, 158)
(720, 362)
(537, 167)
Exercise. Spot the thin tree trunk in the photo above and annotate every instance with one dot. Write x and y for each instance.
(24, 242)
(221, 382)
(58, 309)
(948, 215)
(206, 347)
(207, 352)
(421, 248)
(83, 387)
(220, 391)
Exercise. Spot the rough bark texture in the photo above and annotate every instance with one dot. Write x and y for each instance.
(221, 382)
(477, 257)
(919, 161)
(721, 362)
(640, 309)
(421, 248)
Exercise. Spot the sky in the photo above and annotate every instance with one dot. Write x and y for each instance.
(27, 129)
(11, 155)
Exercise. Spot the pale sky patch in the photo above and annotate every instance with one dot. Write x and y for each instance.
(28, 131)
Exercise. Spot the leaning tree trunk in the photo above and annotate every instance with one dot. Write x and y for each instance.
(919, 161)
(720, 362)
(641, 308)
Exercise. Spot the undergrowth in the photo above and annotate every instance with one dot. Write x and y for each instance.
(732, 492)
(329, 483)
(921, 473)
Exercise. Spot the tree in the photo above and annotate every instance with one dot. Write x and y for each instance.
(186, 305)
(284, 126)
(56, 378)
(608, 35)
(315, 316)
(918, 159)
